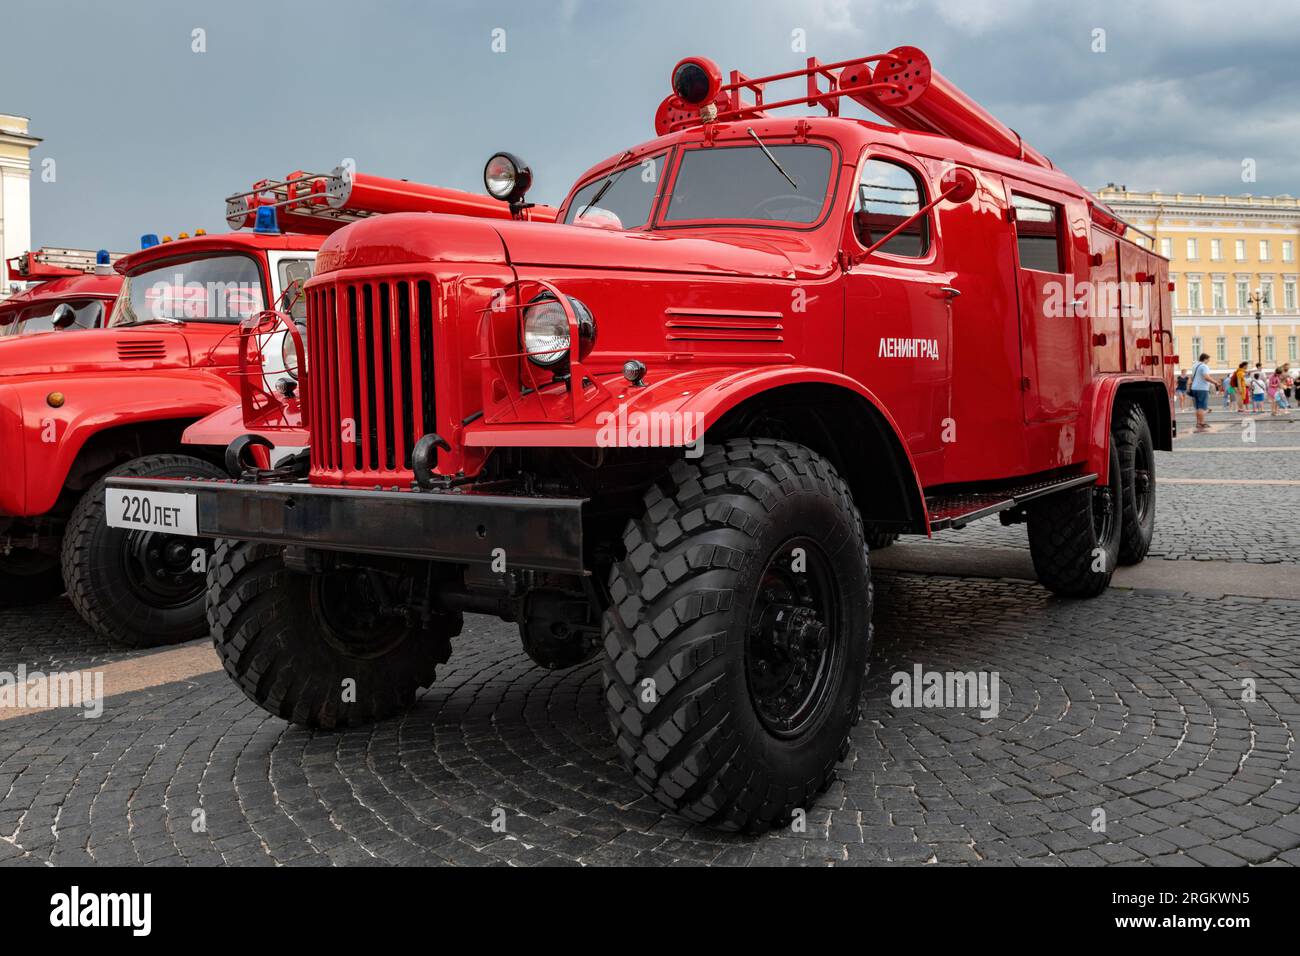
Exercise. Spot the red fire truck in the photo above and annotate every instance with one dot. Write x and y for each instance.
(666, 429)
(73, 288)
(121, 400)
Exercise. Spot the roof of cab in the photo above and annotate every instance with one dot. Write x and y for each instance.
(220, 242)
(64, 287)
(850, 133)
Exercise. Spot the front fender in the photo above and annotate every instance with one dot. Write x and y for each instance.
(49, 439)
(677, 409)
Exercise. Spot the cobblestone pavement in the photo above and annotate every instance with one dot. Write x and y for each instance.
(1130, 705)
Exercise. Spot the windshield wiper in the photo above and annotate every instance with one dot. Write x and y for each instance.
(610, 180)
(768, 153)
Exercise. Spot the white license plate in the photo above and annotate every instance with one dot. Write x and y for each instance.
(166, 511)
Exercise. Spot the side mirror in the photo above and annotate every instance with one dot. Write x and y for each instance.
(64, 316)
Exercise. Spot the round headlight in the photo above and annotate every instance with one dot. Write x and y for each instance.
(546, 330)
(289, 355)
(507, 177)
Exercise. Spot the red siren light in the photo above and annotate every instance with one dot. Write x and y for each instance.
(696, 81)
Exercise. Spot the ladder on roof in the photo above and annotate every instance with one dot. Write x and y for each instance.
(49, 262)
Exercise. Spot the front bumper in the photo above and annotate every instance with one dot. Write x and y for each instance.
(459, 526)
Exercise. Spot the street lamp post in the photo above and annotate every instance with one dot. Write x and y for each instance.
(1259, 299)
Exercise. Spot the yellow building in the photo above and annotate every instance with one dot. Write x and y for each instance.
(16, 145)
(1222, 250)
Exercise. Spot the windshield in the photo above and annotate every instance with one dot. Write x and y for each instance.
(80, 314)
(740, 183)
(621, 200)
(223, 288)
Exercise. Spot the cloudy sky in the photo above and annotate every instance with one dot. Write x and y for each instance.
(147, 135)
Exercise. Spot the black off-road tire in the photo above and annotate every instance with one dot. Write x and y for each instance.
(28, 578)
(1131, 435)
(684, 598)
(1072, 559)
(274, 643)
(102, 571)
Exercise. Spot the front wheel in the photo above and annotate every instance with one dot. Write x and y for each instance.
(1074, 536)
(735, 651)
(137, 588)
(320, 650)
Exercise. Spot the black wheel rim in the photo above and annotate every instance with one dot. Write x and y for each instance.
(793, 643)
(159, 568)
(1144, 480)
(352, 616)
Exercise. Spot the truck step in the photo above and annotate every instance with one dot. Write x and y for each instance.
(956, 509)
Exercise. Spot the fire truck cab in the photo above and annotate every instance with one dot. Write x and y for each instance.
(68, 289)
(114, 400)
(666, 429)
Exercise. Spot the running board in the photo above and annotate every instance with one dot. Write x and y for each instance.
(960, 509)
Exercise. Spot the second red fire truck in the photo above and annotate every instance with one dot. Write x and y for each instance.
(666, 429)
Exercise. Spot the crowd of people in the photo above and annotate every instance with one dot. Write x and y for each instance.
(1245, 390)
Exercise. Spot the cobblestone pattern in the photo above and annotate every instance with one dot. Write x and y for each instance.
(1130, 704)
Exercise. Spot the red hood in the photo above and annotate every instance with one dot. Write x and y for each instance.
(402, 238)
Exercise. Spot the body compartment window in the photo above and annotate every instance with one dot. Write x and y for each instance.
(887, 194)
(1038, 234)
(740, 183)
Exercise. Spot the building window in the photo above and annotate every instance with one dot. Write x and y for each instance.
(1167, 248)
(1221, 348)
(1193, 295)
(1191, 249)
(1240, 250)
(1245, 348)
(1292, 349)
(1197, 346)
(1216, 249)
(1269, 349)
(1243, 295)
(1288, 295)
(1219, 296)
(1266, 289)
(1288, 250)
(1263, 250)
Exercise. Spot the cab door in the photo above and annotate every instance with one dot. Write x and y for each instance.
(898, 320)
(1054, 328)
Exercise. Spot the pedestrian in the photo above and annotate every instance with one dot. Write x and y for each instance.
(1199, 389)
(1240, 390)
(1282, 394)
(1274, 389)
(1180, 390)
(1258, 390)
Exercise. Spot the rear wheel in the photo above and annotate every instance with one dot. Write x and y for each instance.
(1074, 536)
(1137, 466)
(320, 650)
(737, 644)
(29, 577)
(137, 588)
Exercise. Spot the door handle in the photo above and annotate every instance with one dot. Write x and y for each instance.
(949, 291)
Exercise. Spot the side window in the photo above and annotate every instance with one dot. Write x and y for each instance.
(294, 273)
(1038, 234)
(887, 194)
